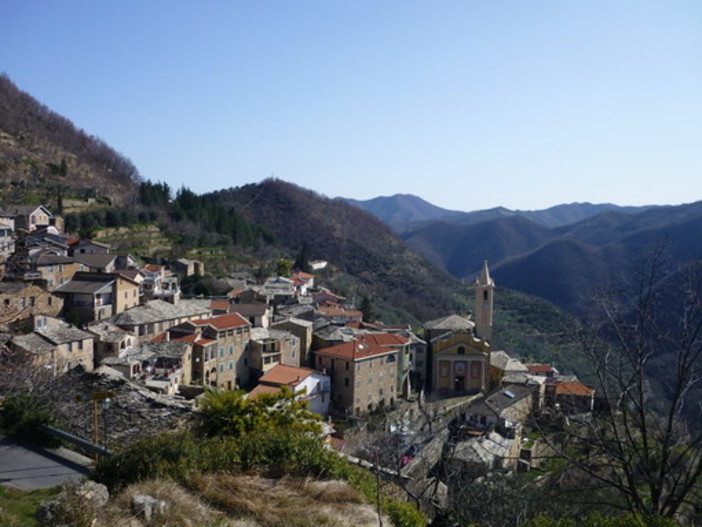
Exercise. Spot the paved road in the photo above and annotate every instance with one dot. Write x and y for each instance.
(29, 469)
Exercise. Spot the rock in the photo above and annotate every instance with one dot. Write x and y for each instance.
(148, 506)
(46, 513)
(92, 491)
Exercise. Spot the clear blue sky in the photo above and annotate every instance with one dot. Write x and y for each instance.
(468, 104)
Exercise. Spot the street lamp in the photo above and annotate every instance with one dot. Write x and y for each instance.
(105, 405)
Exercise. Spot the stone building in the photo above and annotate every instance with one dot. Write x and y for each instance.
(364, 373)
(55, 345)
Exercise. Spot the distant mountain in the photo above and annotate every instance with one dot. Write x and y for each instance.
(566, 263)
(401, 209)
(406, 212)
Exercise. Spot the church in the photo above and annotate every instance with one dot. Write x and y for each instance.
(459, 348)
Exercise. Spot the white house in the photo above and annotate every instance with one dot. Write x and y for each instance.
(309, 385)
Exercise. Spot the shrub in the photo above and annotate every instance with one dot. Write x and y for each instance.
(22, 417)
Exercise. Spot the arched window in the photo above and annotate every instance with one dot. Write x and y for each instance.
(461, 350)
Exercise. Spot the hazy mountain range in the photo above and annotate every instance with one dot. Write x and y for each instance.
(561, 254)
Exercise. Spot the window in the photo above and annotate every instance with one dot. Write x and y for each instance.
(32, 301)
(461, 350)
(346, 381)
(231, 350)
(443, 369)
(231, 364)
(475, 369)
(221, 352)
(22, 301)
(221, 368)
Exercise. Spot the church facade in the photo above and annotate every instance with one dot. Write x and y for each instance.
(459, 347)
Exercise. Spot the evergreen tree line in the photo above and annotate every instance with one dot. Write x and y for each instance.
(212, 218)
(87, 222)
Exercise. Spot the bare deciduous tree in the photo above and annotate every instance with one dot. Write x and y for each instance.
(645, 441)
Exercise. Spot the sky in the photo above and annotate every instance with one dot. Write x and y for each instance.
(468, 104)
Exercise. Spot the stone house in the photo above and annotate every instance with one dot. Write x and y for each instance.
(98, 262)
(7, 235)
(302, 329)
(308, 385)
(84, 246)
(572, 397)
(22, 300)
(303, 283)
(156, 316)
(363, 372)
(55, 269)
(56, 345)
(339, 315)
(32, 217)
(220, 355)
(97, 296)
(270, 347)
(189, 267)
(110, 340)
(504, 410)
(502, 364)
(259, 315)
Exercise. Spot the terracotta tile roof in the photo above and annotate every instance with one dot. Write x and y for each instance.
(189, 338)
(365, 346)
(219, 305)
(573, 388)
(262, 388)
(333, 311)
(539, 368)
(287, 375)
(231, 320)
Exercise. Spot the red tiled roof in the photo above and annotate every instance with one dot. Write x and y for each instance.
(189, 338)
(220, 305)
(231, 320)
(573, 388)
(366, 346)
(287, 375)
(262, 388)
(338, 312)
(539, 368)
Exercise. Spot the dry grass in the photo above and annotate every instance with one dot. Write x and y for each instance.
(184, 508)
(221, 500)
(287, 502)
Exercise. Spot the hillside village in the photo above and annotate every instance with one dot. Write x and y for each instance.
(70, 305)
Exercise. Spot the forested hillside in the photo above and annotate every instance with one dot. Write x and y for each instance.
(45, 157)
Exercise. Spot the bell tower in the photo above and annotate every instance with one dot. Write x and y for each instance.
(484, 293)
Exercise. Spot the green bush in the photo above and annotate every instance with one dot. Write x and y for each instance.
(404, 514)
(22, 417)
(176, 457)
